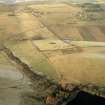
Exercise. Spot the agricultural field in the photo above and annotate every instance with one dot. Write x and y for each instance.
(80, 67)
(35, 59)
(75, 22)
(50, 44)
(48, 29)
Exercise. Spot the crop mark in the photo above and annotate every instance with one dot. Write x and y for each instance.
(85, 33)
(102, 28)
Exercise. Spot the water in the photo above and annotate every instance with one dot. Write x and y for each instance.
(87, 99)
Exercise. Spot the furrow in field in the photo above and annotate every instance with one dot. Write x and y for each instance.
(85, 33)
(102, 28)
(97, 33)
